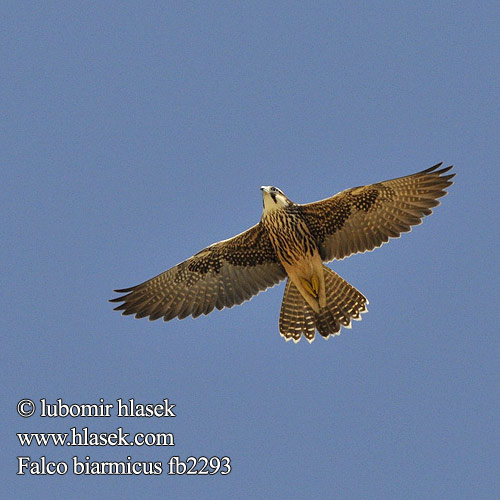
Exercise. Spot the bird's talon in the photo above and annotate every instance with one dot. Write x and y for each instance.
(310, 287)
(315, 285)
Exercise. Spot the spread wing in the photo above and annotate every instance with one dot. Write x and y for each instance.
(221, 275)
(363, 218)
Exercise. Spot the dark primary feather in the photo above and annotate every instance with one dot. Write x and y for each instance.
(221, 275)
(363, 218)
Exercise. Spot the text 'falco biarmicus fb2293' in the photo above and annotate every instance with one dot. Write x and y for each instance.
(293, 241)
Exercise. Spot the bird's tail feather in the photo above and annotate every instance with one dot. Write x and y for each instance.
(343, 304)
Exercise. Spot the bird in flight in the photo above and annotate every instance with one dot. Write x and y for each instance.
(293, 241)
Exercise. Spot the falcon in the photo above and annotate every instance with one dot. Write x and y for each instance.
(293, 241)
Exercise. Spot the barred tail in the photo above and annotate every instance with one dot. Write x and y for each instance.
(343, 304)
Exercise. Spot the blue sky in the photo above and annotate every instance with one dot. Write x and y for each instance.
(135, 134)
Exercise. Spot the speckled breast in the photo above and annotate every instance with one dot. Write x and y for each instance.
(289, 235)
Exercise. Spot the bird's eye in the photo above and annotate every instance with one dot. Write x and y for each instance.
(274, 190)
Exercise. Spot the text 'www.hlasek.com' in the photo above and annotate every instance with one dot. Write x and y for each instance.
(81, 465)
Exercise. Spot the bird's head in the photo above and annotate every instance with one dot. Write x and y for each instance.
(274, 198)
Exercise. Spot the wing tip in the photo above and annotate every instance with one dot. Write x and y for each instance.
(434, 169)
(125, 290)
